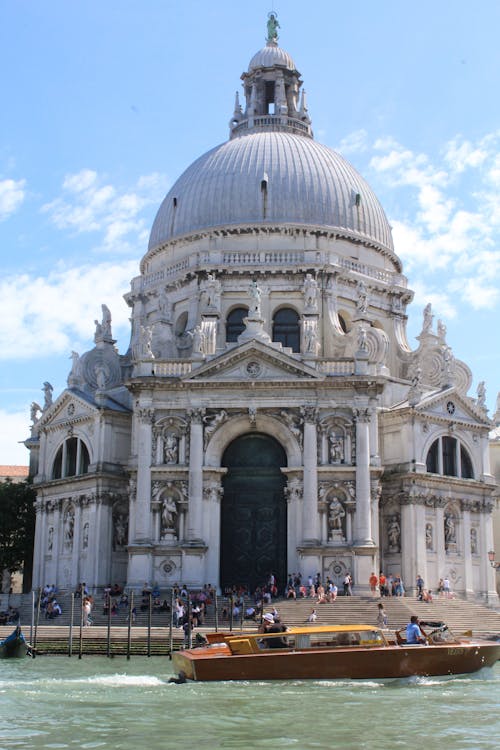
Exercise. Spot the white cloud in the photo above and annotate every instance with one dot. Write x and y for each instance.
(12, 194)
(89, 204)
(446, 214)
(15, 427)
(55, 314)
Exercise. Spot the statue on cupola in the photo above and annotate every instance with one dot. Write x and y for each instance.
(272, 28)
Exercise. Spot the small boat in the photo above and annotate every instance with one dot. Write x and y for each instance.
(333, 652)
(15, 645)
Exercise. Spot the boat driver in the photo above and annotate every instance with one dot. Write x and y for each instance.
(271, 625)
(414, 635)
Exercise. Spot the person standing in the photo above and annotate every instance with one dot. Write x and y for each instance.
(382, 619)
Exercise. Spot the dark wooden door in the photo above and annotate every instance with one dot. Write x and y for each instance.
(253, 518)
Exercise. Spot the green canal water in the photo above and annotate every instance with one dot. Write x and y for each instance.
(56, 703)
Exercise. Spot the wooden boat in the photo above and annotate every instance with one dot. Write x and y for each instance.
(332, 652)
(14, 646)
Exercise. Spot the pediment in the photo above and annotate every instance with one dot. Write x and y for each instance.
(70, 407)
(254, 361)
(452, 406)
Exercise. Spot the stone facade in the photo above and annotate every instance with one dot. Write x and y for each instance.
(281, 316)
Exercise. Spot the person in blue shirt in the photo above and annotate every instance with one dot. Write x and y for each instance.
(413, 633)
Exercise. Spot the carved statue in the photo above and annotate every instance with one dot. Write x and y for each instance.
(100, 376)
(362, 339)
(441, 331)
(394, 534)
(292, 423)
(481, 394)
(416, 380)
(336, 513)
(50, 539)
(34, 409)
(198, 340)
(85, 537)
(310, 337)
(272, 27)
(69, 527)
(255, 294)
(450, 533)
(168, 514)
(310, 292)
(473, 541)
(146, 338)
(121, 531)
(75, 364)
(47, 391)
(428, 318)
(336, 448)
(429, 537)
(211, 291)
(164, 305)
(212, 423)
(362, 301)
(106, 321)
(171, 449)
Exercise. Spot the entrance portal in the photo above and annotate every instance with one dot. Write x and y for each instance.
(253, 513)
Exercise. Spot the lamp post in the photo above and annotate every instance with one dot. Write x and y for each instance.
(491, 558)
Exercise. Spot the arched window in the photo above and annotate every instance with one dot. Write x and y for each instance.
(286, 329)
(449, 457)
(71, 459)
(234, 323)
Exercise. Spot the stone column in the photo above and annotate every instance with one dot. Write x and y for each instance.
(407, 543)
(421, 549)
(467, 552)
(77, 540)
(40, 544)
(141, 531)
(440, 550)
(487, 581)
(195, 476)
(310, 525)
(362, 525)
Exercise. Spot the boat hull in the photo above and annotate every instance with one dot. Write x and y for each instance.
(14, 646)
(353, 663)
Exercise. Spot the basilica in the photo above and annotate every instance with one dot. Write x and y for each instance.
(270, 415)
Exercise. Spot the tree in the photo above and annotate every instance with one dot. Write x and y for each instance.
(17, 528)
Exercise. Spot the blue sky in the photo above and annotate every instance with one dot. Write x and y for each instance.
(104, 104)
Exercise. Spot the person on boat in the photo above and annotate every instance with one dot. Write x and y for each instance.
(271, 625)
(414, 635)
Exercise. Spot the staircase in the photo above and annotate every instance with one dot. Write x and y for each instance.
(458, 614)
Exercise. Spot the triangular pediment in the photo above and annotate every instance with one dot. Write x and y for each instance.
(452, 406)
(254, 361)
(70, 407)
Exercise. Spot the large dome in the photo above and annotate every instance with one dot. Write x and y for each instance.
(269, 178)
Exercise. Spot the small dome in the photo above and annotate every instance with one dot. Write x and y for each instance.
(272, 178)
(270, 56)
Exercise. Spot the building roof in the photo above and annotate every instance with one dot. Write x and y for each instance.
(271, 178)
(14, 472)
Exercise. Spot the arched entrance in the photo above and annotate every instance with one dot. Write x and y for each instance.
(253, 517)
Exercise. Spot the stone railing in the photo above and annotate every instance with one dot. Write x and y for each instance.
(339, 367)
(172, 369)
(272, 122)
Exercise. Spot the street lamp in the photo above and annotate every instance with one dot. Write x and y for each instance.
(491, 558)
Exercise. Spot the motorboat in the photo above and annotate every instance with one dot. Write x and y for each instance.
(333, 652)
(15, 645)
